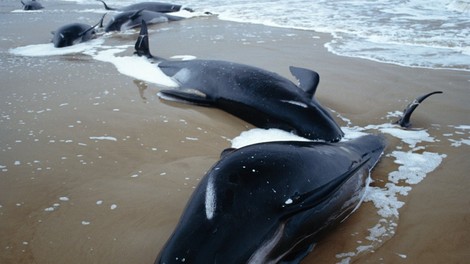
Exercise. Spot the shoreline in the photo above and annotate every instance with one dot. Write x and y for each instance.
(149, 172)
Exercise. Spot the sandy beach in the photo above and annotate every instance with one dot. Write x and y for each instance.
(95, 168)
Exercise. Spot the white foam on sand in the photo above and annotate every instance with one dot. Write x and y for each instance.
(414, 165)
(460, 132)
(41, 50)
(258, 135)
(104, 138)
(137, 67)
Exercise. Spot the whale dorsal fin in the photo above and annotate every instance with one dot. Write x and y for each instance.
(186, 97)
(142, 44)
(302, 202)
(404, 121)
(308, 79)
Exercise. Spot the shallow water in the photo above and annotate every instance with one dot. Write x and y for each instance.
(418, 33)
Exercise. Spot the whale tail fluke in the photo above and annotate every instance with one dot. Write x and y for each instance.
(404, 120)
(142, 44)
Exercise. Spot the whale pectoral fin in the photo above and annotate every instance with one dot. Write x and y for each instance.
(404, 120)
(100, 23)
(136, 14)
(184, 97)
(308, 79)
(305, 201)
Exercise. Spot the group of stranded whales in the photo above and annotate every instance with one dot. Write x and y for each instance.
(131, 19)
(267, 202)
(127, 17)
(150, 6)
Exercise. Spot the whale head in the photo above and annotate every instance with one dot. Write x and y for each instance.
(308, 119)
(270, 202)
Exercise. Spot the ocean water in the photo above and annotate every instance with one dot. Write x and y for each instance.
(415, 33)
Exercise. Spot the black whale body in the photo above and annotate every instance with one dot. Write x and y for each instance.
(271, 202)
(131, 19)
(150, 6)
(74, 33)
(32, 5)
(260, 97)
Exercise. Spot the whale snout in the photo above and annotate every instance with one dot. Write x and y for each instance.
(325, 130)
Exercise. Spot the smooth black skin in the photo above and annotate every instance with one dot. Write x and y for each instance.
(404, 120)
(262, 98)
(131, 19)
(251, 185)
(74, 33)
(150, 6)
(31, 5)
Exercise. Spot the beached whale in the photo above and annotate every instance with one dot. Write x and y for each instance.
(150, 6)
(404, 120)
(270, 202)
(262, 98)
(31, 5)
(74, 33)
(131, 19)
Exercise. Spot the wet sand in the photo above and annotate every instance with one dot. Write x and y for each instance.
(96, 169)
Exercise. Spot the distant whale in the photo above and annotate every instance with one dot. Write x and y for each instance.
(131, 19)
(74, 33)
(32, 5)
(404, 120)
(260, 97)
(150, 6)
(270, 202)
